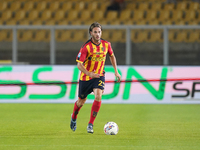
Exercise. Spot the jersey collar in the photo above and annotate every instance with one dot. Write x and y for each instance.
(94, 43)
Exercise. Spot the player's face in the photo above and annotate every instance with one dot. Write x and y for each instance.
(96, 34)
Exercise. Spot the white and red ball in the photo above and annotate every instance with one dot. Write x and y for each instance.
(111, 128)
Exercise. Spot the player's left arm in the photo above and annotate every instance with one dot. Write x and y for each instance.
(114, 64)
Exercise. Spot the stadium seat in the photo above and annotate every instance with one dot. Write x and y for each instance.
(63, 35)
(190, 15)
(118, 36)
(171, 35)
(58, 15)
(76, 22)
(106, 34)
(10, 35)
(163, 15)
(102, 22)
(177, 15)
(131, 6)
(24, 22)
(143, 6)
(181, 36)
(48, 36)
(134, 35)
(40, 36)
(194, 36)
(180, 22)
(141, 22)
(156, 6)
(98, 15)
(46, 15)
(63, 22)
(37, 22)
(3, 35)
(198, 17)
(111, 16)
(72, 15)
(194, 6)
(1, 22)
(138, 15)
(41, 5)
(55, 5)
(66, 6)
(57, 34)
(125, 15)
(182, 5)
(32, 15)
(25, 35)
(167, 22)
(11, 22)
(155, 36)
(6, 15)
(193, 22)
(128, 22)
(79, 36)
(6, 35)
(3, 5)
(153, 22)
(50, 22)
(142, 36)
(79, 6)
(16, 5)
(114, 22)
(169, 6)
(88, 22)
(29, 5)
(103, 5)
(19, 15)
(85, 15)
(92, 6)
(151, 15)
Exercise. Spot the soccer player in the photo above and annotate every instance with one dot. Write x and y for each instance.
(90, 61)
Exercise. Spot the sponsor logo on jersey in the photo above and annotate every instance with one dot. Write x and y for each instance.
(96, 58)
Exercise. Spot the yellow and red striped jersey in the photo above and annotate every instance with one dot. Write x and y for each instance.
(93, 57)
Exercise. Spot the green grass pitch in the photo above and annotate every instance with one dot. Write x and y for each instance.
(141, 127)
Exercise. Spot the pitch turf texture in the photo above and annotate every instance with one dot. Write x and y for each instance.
(141, 127)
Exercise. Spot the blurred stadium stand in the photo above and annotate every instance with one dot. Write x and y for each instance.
(146, 43)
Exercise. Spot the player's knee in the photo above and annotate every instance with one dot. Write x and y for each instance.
(98, 97)
(80, 102)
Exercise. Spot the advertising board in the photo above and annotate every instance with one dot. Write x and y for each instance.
(140, 84)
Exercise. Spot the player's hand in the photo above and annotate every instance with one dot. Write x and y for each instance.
(118, 76)
(94, 75)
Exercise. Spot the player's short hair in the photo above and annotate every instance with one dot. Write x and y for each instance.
(93, 25)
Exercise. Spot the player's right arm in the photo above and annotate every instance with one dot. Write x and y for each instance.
(90, 74)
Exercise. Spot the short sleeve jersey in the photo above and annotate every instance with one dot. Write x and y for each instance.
(93, 57)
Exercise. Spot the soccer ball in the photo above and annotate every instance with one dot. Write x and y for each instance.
(111, 128)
